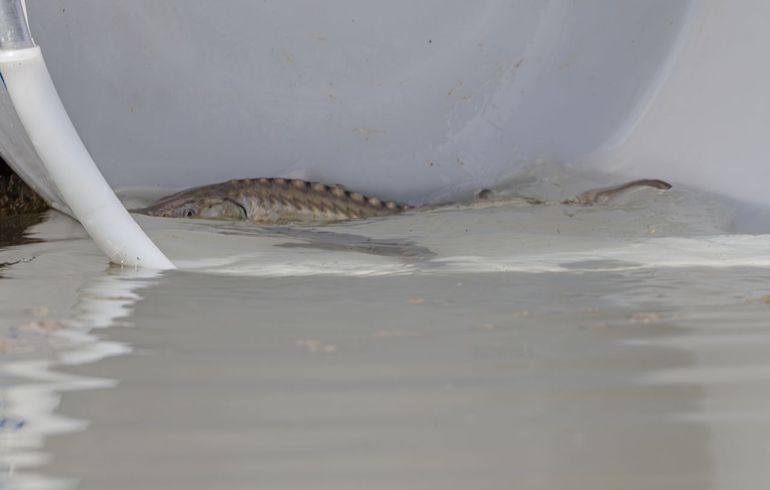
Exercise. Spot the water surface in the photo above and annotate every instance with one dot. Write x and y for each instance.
(551, 347)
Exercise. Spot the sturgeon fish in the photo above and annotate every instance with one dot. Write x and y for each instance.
(277, 201)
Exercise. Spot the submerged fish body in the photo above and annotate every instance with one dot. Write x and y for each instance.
(272, 201)
(277, 200)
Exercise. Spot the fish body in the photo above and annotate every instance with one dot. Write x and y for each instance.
(277, 201)
(272, 201)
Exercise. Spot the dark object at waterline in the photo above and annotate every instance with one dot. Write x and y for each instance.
(16, 197)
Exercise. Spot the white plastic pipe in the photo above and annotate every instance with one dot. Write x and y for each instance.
(69, 164)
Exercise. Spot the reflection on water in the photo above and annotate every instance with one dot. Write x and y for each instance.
(13, 229)
(348, 242)
(501, 381)
(533, 348)
(33, 386)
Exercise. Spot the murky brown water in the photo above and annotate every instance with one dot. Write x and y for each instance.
(545, 348)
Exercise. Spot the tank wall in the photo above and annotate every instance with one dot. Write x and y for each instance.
(409, 100)
(710, 124)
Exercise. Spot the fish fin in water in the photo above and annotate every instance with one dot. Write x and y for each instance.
(604, 194)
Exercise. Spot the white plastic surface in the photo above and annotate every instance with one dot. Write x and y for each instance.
(709, 125)
(413, 101)
(408, 100)
(70, 166)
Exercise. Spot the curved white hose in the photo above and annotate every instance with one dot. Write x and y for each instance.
(69, 164)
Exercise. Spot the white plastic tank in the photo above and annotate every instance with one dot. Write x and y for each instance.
(409, 101)
(398, 99)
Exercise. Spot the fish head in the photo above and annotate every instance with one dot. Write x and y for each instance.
(205, 207)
